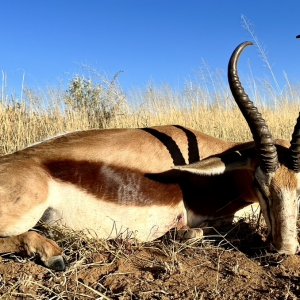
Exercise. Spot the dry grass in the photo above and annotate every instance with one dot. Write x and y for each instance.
(212, 268)
(39, 116)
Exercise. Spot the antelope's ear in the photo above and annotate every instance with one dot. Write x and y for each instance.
(215, 165)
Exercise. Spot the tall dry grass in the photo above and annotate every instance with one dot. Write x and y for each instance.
(87, 104)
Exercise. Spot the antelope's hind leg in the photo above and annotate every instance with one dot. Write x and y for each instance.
(32, 243)
(16, 237)
(23, 202)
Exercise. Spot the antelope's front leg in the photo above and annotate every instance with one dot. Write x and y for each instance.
(186, 233)
(33, 243)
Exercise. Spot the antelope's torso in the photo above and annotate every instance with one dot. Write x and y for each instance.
(121, 183)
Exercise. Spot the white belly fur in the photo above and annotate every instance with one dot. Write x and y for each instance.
(79, 210)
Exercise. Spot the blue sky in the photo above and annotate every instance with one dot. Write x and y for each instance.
(162, 42)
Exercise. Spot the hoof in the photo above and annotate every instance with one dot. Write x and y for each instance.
(190, 234)
(56, 263)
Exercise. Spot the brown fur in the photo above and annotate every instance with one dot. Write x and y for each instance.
(88, 176)
(284, 178)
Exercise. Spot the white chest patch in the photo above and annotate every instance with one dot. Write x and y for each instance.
(78, 210)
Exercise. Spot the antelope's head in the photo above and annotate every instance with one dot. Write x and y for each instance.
(275, 167)
(277, 178)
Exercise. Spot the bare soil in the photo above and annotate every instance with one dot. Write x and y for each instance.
(234, 264)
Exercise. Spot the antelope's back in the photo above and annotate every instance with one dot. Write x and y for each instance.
(154, 149)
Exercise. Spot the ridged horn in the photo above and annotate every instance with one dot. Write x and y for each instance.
(263, 140)
(295, 145)
(295, 148)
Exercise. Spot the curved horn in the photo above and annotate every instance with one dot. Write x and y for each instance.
(264, 143)
(295, 148)
(295, 145)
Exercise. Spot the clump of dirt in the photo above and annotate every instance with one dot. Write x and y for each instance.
(234, 265)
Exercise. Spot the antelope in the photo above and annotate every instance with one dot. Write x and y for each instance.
(143, 182)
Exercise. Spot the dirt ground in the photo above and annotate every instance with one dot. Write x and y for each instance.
(234, 264)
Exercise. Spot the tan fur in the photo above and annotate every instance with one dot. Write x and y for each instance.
(284, 178)
(32, 243)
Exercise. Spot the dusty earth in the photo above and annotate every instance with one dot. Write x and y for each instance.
(234, 264)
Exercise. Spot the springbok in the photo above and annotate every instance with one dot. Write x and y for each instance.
(142, 182)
